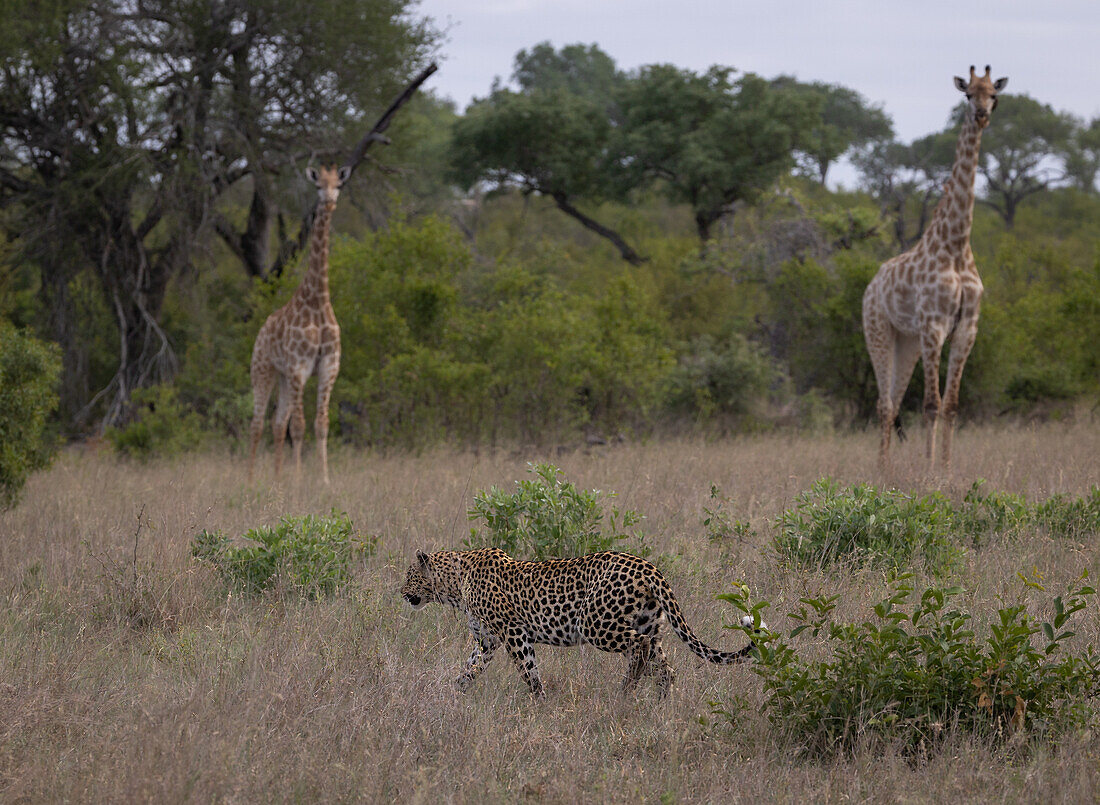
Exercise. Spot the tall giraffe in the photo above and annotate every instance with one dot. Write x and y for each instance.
(931, 292)
(299, 339)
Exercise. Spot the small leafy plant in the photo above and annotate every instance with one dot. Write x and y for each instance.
(719, 524)
(917, 670)
(308, 556)
(546, 516)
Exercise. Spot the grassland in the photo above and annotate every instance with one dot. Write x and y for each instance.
(127, 673)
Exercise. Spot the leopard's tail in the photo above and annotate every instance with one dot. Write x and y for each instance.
(663, 593)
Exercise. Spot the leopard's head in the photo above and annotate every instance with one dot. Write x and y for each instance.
(419, 587)
(434, 577)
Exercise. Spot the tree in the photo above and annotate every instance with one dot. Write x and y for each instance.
(846, 121)
(123, 125)
(1019, 152)
(546, 141)
(1082, 155)
(710, 141)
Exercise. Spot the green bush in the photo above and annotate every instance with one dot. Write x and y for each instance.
(1063, 516)
(917, 671)
(547, 517)
(888, 528)
(29, 374)
(1001, 512)
(159, 425)
(983, 515)
(307, 556)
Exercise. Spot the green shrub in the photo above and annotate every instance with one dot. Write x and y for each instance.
(982, 515)
(308, 556)
(888, 528)
(547, 517)
(160, 425)
(29, 373)
(1002, 512)
(1063, 516)
(917, 671)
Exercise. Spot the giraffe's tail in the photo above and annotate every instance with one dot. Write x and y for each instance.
(901, 431)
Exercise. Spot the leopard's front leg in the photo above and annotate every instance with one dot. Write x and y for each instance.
(484, 644)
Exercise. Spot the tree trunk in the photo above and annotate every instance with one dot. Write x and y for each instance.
(134, 284)
(704, 220)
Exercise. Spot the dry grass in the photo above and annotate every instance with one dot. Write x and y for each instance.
(124, 680)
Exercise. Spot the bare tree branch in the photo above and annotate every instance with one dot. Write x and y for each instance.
(375, 134)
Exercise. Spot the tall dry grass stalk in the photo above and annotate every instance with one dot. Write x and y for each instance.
(127, 673)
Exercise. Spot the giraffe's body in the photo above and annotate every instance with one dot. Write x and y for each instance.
(300, 339)
(932, 292)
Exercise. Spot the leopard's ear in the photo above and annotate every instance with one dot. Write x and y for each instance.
(423, 559)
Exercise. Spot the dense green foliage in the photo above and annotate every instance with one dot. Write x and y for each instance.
(29, 371)
(490, 317)
(919, 671)
(132, 137)
(547, 517)
(307, 556)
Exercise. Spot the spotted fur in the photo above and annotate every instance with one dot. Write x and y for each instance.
(610, 600)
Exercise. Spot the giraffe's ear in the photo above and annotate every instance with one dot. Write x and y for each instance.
(961, 84)
(344, 173)
(422, 558)
(1000, 83)
(312, 175)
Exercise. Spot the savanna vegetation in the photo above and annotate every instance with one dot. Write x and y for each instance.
(598, 308)
(584, 252)
(169, 631)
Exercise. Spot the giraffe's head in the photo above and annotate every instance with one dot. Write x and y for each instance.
(981, 95)
(329, 180)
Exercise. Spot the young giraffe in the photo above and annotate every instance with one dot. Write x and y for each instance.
(299, 339)
(920, 298)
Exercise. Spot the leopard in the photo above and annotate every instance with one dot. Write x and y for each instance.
(612, 600)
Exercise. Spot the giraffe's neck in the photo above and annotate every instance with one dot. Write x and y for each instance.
(314, 288)
(955, 213)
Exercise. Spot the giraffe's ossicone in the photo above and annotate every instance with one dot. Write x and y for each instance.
(298, 340)
(920, 299)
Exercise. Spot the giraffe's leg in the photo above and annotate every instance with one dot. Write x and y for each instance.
(297, 420)
(881, 338)
(906, 355)
(263, 380)
(326, 378)
(278, 422)
(962, 341)
(931, 347)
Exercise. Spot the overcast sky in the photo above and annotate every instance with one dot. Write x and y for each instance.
(901, 55)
